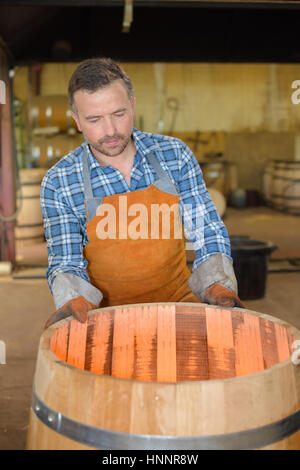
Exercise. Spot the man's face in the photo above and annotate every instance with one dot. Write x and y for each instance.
(105, 117)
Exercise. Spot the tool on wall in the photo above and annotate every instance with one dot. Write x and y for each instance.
(197, 140)
(206, 139)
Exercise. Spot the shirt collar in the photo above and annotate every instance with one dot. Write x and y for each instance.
(144, 142)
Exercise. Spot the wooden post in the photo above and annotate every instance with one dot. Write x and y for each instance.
(7, 191)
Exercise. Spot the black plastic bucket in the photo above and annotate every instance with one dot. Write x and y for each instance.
(250, 263)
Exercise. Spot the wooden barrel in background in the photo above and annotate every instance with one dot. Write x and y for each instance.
(48, 150)
(291, 187)
(291, 197)
(166, 376)
(286, 186)
(218, 200)
(214, 175)
(51, 111)
(267, 183)
(29, 228)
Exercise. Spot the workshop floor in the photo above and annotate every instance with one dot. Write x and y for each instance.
(26, 303)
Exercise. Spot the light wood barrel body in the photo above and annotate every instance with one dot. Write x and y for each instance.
(286, 186)
(167, 376)
(47, 151)
(29, 227)
(267, 183)
(51, 111)
(218, 200)
(214, 175)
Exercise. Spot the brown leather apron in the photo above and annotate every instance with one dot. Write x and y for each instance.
(134, 255)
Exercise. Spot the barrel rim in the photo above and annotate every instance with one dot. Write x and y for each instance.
(47, 334)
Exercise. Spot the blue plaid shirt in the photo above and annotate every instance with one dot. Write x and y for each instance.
(63, 209)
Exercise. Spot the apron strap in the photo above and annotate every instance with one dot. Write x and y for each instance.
(164, 183)
(88, 192)
(91, 203)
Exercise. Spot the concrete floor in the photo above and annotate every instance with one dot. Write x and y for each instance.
(25, 306)
(27, 303)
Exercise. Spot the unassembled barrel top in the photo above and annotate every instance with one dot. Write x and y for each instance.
(172, 342)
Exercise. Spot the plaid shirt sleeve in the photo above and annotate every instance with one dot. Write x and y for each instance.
(63, 232)
(203, 225)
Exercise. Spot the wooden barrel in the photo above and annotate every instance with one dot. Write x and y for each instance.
(267, 183)
(286, 186)
(214, 175)
(291, 187)
(166, 376)
(51, 111)
(278, 182)
(29, 229)
(218, 200)
(291, 196)
(47, 151)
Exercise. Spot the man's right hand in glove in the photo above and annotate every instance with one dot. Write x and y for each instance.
(220, 295)
(78, 307)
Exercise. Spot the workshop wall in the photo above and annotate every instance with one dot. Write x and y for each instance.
(249, 103)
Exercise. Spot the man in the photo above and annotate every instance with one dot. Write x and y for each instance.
(99, 253)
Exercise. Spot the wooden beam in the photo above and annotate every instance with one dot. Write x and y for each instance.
(7, 166)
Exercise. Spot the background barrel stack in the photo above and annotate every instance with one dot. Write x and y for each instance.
(53, 130)
(29, 229)
(52, 134)
(282, 186)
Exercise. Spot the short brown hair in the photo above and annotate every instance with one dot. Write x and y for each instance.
(92, 74)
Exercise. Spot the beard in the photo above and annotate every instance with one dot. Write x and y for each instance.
(116, 149)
